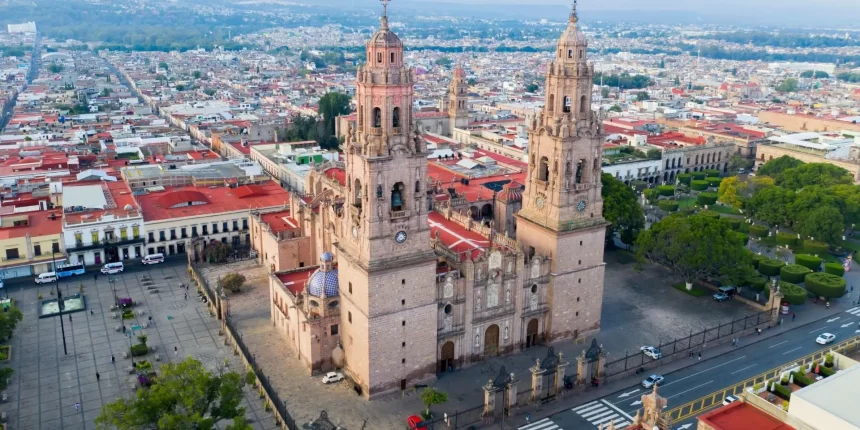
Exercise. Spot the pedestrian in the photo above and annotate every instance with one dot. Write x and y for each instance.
(175, 351)
(70, 317)
(112, 359)
(793, 316)
(827, 305)
(91, 312)
(123, 328)
(528, 418)
(700, 356)
(186, 296)
(98, 377)
(77, 407)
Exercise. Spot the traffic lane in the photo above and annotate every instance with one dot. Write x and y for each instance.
(129, 267)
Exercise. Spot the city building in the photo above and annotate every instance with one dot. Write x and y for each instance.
(837, 148)
(289, 163)
(30, 242)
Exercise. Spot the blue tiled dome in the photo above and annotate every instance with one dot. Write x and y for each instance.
(327, 256)
(320, 280)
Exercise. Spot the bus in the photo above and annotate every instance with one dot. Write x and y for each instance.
(66, 270)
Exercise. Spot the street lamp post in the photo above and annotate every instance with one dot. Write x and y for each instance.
(60, 304)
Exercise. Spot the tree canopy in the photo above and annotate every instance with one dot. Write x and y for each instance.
(331, 106)
(806, 175)
(9, 320)
(775, 167)
(185, 395)
(787, 86)
(771, 205)
(695, 247)
(621, 209)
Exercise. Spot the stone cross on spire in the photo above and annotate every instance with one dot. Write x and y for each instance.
(385, 7)
(573, 16)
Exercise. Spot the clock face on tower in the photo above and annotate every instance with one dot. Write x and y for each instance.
(581, 205)
(400, 236)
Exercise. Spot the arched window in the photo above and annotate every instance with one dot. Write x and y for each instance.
(397, 197)
(395, 117)
(379, 191)
(550, 101)
(580, 54)
(570, 53)
(580, 167)
(377, 117)
(582, 101)
(566, 108)
(417, 187)
(356, 190)
(378, 57)
(543, 170)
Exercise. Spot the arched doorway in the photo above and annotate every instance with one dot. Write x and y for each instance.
(446, 363)
(475, 213)
(491, 341)
(487, 212)
(531, 333)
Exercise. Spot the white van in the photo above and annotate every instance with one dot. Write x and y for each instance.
(153, 259)
(46, 277)
(112, 268)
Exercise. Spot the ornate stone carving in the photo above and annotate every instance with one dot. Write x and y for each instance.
(492, 296)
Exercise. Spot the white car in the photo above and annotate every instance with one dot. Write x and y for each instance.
(652, 352)
(652, 380)
(825, 338)
(332, 377)
(729, 399)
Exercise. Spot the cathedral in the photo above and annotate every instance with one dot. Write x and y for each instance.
(395, 267)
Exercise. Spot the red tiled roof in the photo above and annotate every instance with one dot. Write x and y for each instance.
(742, 416)
(280, 221)
(295, 281)
(464, 242)
(174, 198)
(337, 174)
(219, 200)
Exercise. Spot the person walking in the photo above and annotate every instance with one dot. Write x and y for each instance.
(70, 317)
(700, 356)
(175, 351)
(793, 317)
(186, 296)
(528, 418)
(77, 407)
(112, 359)
(98, 377)
(91, 312)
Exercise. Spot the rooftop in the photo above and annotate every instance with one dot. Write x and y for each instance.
(280, 221)
(190, 201)
(836, 395)
(455, 237)
(295, 280)
(742, 416)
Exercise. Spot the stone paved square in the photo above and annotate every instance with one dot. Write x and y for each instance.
(47, 383)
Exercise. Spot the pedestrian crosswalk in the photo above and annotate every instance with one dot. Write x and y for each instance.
(544, 424)
(602, 412)
(854, 311)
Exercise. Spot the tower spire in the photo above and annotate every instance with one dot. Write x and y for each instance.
(573, 16)
(385, 13)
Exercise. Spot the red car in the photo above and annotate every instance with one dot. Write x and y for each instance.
(414, 421)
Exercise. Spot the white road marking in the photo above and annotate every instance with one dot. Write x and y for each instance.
(742, 369)
(701, 372)
(605, 419)
(774, 346)
(691, 389)
(791, 350)
(544, 424)
(853, 309)
(624, 414)
(585, 406)
(818, 329)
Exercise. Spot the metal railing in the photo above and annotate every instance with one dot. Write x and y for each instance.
(714, 399)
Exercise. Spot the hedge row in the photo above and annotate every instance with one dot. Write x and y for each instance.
(834, 269)
(685, 178)
(758, 230)
(792, 294)
(666, 190)
(138, 350)
(825, 285)
(809, 261)
(770, 267)
(786, 239)
(745, 238)
(712, 172)
(758, 258)
(801, 379)
(714, 181)
(668, 205)
(781, 391)
(815, 247)
(734, 223)
(699, 175)
(706, 198)
(758, 283)
(709, 213)
(793, 273)
(826, 371)
(699, 185)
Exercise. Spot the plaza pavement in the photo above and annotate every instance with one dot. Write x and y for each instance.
(47, 383)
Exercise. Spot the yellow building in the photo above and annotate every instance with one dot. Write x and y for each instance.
(27, 241)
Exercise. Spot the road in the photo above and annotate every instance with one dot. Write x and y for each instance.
(35, 64)
(751, 358)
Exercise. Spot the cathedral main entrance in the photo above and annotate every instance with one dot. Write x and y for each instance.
(446, 363)
(531, 333)
(491, 341)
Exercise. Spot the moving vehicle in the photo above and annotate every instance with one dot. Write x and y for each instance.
(67, 270)
(153, 259)
(729, 399)
(415, 423)
(721, 297)
(652, 352)
(112, 268)
(332, 377)
(653, 380)
(825, 338)
(45, 278)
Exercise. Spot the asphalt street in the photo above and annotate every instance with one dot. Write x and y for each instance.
(749, 359)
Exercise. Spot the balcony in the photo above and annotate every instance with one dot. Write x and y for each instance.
(398, 214)
(376, 131)
(396, 130)
(493, 313)
(114, 241)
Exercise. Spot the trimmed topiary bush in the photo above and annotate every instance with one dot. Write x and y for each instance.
(758, 283)
(668, 205)
(734, 223)
(639, 185)
(712, 172)
(793, 273)
(786, 239)
(138, 350)
(699, 175)
(809, 261)
(666, 190)
(758, 230)
(685, 178)
(699, 185)
(706, 198)
(815, 247)
(745, 238)
(770, 267)
(709, 213)
(782, 392)
(834, 269)
(825, 285)
(714, 181)
(758, 258)
(793, 294)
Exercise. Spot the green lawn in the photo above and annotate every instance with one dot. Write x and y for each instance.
(697, 291)
(686, 202)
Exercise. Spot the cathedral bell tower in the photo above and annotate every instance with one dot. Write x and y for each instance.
(385, 261)
(562, 214)
(458, 98)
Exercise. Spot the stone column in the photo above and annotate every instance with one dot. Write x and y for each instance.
(559, 373)
(489, 399)
(581, 369)
(537, 381)
(512, 392)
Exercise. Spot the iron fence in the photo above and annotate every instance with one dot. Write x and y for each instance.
(468, 419)
(694, 342)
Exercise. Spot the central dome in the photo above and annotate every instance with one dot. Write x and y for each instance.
(384, 37)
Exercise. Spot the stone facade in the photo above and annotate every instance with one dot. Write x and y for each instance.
(710, 156)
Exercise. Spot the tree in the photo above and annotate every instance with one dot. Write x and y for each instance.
(729, 194)
(9, 320)
(233, 282)
(695, 247)
(771, 205)
(811, 174)
(216, 252)
(532, 88)
(736, 162)
(775, 167)
(818, 74)
(444, 61)
(330, 106)
(5, 375)
(55, 68)
(824, 223)
(106, 92)
(654, 154)
(604, 92)
(642, 95)
(677, 81)
(209, 92)
(615, 108)
(621, 209)
(431, 396)
(184, 395)
(196, 74)
(162, 65)
(787, 86)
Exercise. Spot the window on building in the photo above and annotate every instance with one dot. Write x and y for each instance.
(245, 224)
(392, 57)
(55, 247)
(224, 226)
(205, 229)
(172, 233)
(37, 250)
(214, 228)
(377, 117)
(582, 104)
(349, 316)
(397, 197)
(135, 232)
(550, 102)
(182, 233)
(566, 108)
(570, 53)
(151, 237)
(235, 225)
(12, 254)
(543, 169)
(194, 231)
(123, 233)
(95, 236)
(161, 236)
(579, 169)
(334, 330)
(395, 117)
(379, 57)
(350, 288)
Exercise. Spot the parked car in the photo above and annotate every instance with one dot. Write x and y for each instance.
(721, 297)
(652, 380)
(652, 352)
(153, 259)
(825, 338)
(332, 377)
(729, 399)
(728, 290)
(415, 423)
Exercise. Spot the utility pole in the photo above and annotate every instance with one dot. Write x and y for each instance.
(60, 304)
